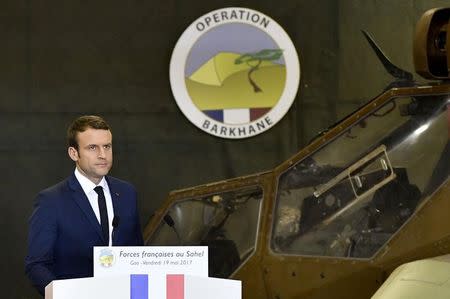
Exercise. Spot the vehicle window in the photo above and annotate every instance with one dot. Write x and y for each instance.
(349, 198)
(226, 222)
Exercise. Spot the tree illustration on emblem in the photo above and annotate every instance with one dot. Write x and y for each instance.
(254, 60)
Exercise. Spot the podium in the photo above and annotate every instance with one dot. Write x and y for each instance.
(141, 286)
(147, 273)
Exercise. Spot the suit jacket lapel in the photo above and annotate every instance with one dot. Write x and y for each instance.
(82, 201)
(115, 196)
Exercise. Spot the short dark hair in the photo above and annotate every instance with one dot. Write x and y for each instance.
(81, 124)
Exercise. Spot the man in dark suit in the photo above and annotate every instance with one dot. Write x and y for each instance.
(87, 209)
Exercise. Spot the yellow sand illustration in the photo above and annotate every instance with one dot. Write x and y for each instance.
(235, 90)
(216, 70)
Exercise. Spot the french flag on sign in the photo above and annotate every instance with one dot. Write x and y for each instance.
(139, 286)
(180, 286)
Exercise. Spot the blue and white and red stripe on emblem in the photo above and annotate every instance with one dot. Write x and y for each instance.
(237, 116)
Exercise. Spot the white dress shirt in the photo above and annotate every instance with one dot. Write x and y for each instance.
(88, 188)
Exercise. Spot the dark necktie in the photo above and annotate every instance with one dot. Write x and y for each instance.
(103, 213)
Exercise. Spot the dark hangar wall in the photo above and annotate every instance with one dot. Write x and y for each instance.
(61, 59)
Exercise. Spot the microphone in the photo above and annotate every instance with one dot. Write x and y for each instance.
(115, 224)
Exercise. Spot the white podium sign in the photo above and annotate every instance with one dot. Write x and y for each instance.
(142, 286)
(86, 288)
(154, 260)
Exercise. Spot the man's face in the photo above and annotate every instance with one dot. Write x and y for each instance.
(94, 155)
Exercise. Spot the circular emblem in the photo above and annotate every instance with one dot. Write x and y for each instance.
(234, 72)
(106, 258)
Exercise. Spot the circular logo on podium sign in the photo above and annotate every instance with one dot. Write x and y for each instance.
(106, 258)
(234, 72)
